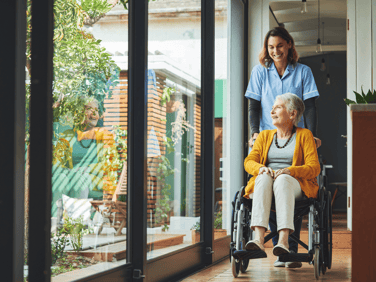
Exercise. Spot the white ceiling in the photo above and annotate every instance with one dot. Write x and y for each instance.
(304, 27)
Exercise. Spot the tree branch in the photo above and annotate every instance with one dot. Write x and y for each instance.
(90, 21)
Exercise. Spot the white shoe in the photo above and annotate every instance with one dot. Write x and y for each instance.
(278, 263)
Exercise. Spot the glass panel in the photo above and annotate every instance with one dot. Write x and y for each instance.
(220, 212)
(174, 126)
(89, 171)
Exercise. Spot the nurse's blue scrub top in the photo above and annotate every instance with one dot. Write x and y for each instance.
(265, 84)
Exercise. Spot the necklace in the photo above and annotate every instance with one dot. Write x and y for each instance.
(288, 140)
(82, 145)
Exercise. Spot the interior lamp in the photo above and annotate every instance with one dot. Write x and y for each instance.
(323, 66)
(304, 7)
(327, 79)
(318, 47)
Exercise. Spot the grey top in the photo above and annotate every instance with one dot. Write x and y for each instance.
(281, 158)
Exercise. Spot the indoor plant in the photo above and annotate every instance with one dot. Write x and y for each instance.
(369, 98)
(196, 232)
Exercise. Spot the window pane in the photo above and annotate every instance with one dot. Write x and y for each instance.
(174, 126)
(89, 169)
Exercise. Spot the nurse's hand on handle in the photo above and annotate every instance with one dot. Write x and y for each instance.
(252, 140)
(318, 142)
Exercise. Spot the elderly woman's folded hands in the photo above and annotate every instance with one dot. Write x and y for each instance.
(274, 174)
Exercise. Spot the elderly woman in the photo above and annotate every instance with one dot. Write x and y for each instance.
(283, 163)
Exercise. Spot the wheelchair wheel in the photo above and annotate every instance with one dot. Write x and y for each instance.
(316, 263)
(235, 266)
(244, 265)
(233, 221)
(323, 230)
(329, 237)
(246, 237)
(234, 216)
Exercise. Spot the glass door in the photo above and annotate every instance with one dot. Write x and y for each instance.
(174, 125)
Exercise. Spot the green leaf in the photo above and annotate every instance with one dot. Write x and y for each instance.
(349, 102)
(359, 98)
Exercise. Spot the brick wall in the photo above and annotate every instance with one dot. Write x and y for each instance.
(117, 114)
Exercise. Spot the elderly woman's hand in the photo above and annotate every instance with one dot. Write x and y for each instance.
(281, 171)
(266, 170)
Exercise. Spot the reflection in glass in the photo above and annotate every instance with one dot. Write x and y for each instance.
(89, 177)
(174, 126)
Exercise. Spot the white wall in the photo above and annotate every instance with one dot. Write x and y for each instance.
(179, 39)
(233, 146)
(351, 85)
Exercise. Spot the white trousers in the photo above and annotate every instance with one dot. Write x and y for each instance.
(285, 189)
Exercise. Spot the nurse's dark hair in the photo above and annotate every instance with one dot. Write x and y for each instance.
(293, 102)
(281, 32)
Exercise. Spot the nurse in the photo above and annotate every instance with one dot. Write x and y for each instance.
(279, 72)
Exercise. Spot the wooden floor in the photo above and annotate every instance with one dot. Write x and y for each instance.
(263, 270)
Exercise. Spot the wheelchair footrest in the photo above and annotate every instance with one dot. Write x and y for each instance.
(295, 257)
(243, 254)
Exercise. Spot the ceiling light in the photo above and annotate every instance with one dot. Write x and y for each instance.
(323, 66)
(304, 7)
(318, 47)
(328, 79)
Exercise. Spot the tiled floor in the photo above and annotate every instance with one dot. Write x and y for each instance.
(263, 270)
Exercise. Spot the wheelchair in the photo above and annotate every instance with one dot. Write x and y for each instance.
(319, 246)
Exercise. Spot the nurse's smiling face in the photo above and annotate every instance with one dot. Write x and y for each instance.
(278, 49)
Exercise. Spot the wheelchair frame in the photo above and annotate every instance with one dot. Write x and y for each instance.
(319, 246)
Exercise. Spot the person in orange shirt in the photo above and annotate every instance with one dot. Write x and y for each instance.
(83, 158)
(284, 163)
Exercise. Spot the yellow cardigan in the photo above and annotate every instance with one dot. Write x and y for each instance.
(305, 164)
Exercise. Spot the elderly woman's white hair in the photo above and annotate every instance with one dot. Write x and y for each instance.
(293, 102)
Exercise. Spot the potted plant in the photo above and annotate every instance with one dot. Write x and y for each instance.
(362, 141)
(218, 231)
(196, 232)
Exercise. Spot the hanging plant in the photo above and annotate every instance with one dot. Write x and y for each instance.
(180, 125)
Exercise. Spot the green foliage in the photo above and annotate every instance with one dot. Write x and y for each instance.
(81, 67)
(120, 137)
(68, 263)
(121, 146)
(76, 230)
(163, 203)
(58, 242)
(363, 98)
(218, 220)
(196, 226)
(73, 111)
(166, 95)
(95, 8)
(71, 233)
(164, 170)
